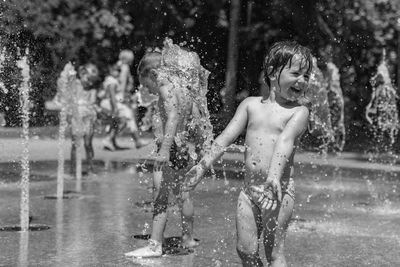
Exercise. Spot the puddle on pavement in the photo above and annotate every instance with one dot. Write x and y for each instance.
(17, 228)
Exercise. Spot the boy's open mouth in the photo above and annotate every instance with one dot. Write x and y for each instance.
(295, 89)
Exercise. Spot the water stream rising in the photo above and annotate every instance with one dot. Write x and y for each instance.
(24, 104)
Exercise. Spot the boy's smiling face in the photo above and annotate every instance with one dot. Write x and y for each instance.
(292, 82)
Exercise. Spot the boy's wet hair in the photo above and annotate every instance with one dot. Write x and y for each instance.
(151, 60)
(282, 53)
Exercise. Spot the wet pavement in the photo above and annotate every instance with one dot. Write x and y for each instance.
(347, 212)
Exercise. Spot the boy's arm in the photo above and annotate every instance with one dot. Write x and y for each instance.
(228, 135)
(170, 103)
(111, 89)
(123, 78)
(284, 147)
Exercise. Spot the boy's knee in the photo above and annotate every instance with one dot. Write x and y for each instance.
(276, 255)
(249, 259)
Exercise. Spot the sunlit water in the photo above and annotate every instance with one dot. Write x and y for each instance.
(382, 112)
(24, 103)
(66, 99)
(335, 214)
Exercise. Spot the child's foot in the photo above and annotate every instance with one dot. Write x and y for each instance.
(153, 249)
(189, 242)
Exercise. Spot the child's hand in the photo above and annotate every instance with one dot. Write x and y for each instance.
(272, 194)
(193, 177)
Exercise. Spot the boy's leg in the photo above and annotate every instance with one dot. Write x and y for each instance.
(73, 155)
(160, 198)
(88, 143)
(274, 240)
(248, 222)
(161, 192)
(108, 143)
(187, 210)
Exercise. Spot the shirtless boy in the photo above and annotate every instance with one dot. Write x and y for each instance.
(273, 127)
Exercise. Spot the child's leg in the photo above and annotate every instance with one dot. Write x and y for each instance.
(187, 210)
(154, 248)
(160, 197)
(88, 143)
(274, 241)
(74, 139)
(248, 222)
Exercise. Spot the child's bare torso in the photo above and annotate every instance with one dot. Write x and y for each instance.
(266, 121)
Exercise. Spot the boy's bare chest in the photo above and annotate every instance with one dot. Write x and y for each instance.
(269, 117)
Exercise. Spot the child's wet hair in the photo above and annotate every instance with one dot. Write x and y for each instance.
(282, 53)
(150, 61)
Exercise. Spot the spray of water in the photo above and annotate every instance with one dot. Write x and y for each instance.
(320, 115)
(381, 112)
(24, 104)
(336, 105)
(62, 100)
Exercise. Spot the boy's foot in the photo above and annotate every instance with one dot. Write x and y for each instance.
(107, 145)
(153, 249)
(189, 242)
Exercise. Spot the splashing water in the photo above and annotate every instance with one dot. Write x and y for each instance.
(2, 59)
(24, 103)
(320, 115)
(182, 68)
(336, 105)
(64, 99)
(381, 112)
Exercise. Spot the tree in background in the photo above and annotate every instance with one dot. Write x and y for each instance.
(58, 31)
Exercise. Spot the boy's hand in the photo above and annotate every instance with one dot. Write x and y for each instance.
(271, 194)
(193, 177)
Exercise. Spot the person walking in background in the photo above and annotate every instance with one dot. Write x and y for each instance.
(126, 86)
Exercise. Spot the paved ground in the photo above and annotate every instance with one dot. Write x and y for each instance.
(347, 211)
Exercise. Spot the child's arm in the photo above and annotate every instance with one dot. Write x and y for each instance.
(283, 150)
(113, 101)
(170, 103)
(230, 133)
(123, 78)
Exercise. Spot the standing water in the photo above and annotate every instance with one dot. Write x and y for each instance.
(24, 103)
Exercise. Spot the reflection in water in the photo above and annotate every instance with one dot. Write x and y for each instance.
(59, 227)
(23, 248)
